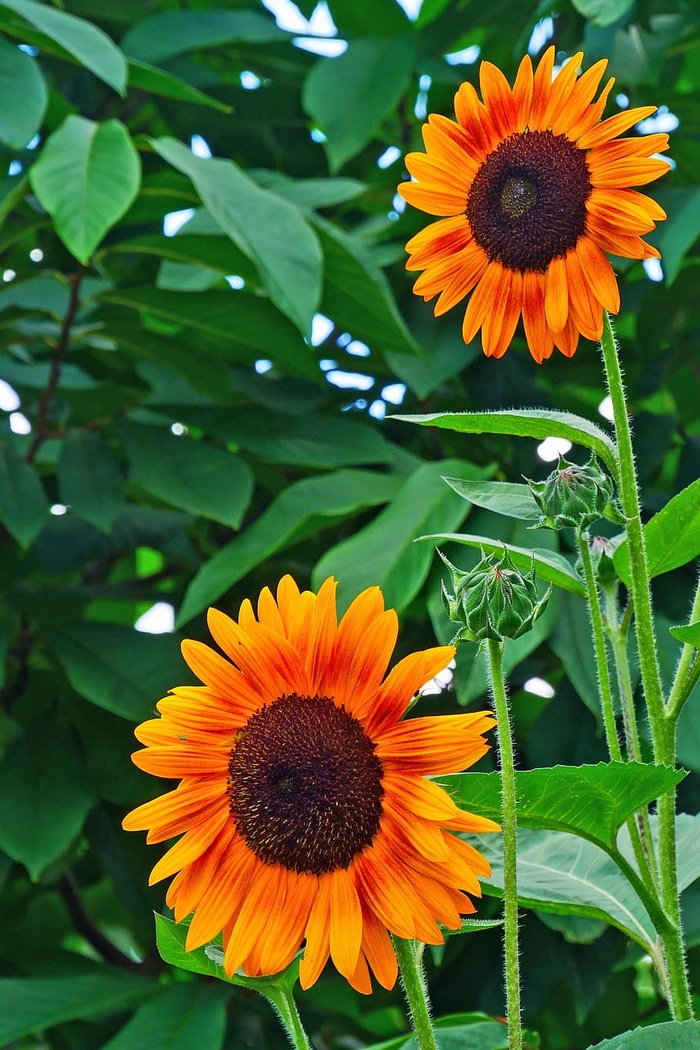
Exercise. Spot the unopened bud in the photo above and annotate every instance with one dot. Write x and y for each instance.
(492, 600)
(575, 496)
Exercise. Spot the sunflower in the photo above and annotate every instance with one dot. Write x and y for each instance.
(534, 189)
(304, 803)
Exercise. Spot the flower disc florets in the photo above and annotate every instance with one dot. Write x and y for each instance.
(493, 600)
(575, 496)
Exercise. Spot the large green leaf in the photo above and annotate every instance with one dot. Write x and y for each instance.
(21, 80)
(89, 479)
(502, 497)
(32, 1004)
(271, 231)
(186, 1017)
(680, 231)
(591, 801)
(159, 82)
(672, 536)
(537, 423)
(670, 1035)
(44, 798)
(349, 96)
(385, 552)
(85, 42)
(23, 505)
(602, 12)
(116, 667)
(189, 474)
(86, 177)
(572, 641)
(550, 566)
(304, 507)
(170, 33)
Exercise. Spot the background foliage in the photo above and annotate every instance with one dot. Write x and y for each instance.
(187, 417)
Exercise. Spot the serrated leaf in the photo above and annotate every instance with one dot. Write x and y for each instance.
(44, 798)
(171, 33)
(186, 1017)
(32, 1004)
(84, 41)
(116, 667)
(24, 509)
(672, 536)
(86, 178)
(537, 423)
(689, 634)
(89, 479)
(384, 552)
(591, 801)
(349, 96)
(305, 506)
(189, 474)
(502, 497)
(550, 566)
(271, 231)
(21, 80)
(671, 1035)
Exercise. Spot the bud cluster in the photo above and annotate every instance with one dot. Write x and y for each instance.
(493, 600)
(575, 496)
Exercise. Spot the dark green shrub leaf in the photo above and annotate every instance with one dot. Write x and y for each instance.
(23, 506)
(21, 80)
(89, 479)
(186, 1017)
(170, 33)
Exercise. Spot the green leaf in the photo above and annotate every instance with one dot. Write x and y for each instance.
(44, 799)
(672, 1035)
(550, 566)
(502, 497)
(271, 231)
(172, 33)
(24, 509)
(84, 41)
(384, 552)
(537, 423)
(159, 82)
(186, 1017)
(189, 474)
(689, 634)
(86, 177)
(672, 536)
(238, 324)
(116, 667)
(572, 642)
(309, 193)
(349, 96)
(21, 80)
(357, 295)
(591, 801)
(32, 1004)
(89, 479)
(472, 1031)
(602, 12)
(304, 507)
(679, 232)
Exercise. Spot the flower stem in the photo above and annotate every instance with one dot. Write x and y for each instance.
(662, 729)
(601, 653)
(509, 823)
(685, 677)
(282, 1002)
(409, 954)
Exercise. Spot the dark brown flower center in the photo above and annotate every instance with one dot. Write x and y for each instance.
(305, 785)
(527, 204)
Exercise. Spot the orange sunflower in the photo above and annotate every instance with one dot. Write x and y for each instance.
(305, 802)
(535, 188)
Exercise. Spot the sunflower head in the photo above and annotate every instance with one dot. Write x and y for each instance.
(533, 188)
(304, 805)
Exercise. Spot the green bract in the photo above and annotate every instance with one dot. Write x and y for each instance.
(493, 600)
(575, 496)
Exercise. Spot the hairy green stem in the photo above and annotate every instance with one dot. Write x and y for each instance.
(662, 732)
(282, 1002)
(688, 669)
(410, 956)
(509, 822)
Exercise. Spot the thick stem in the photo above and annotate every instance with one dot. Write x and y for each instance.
(409, 954)
(282, 1002)
(509, 822)
(662, 732)
(601, 653)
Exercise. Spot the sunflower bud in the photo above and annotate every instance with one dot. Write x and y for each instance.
(493, 600)
(602, 550)
(575, 496)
